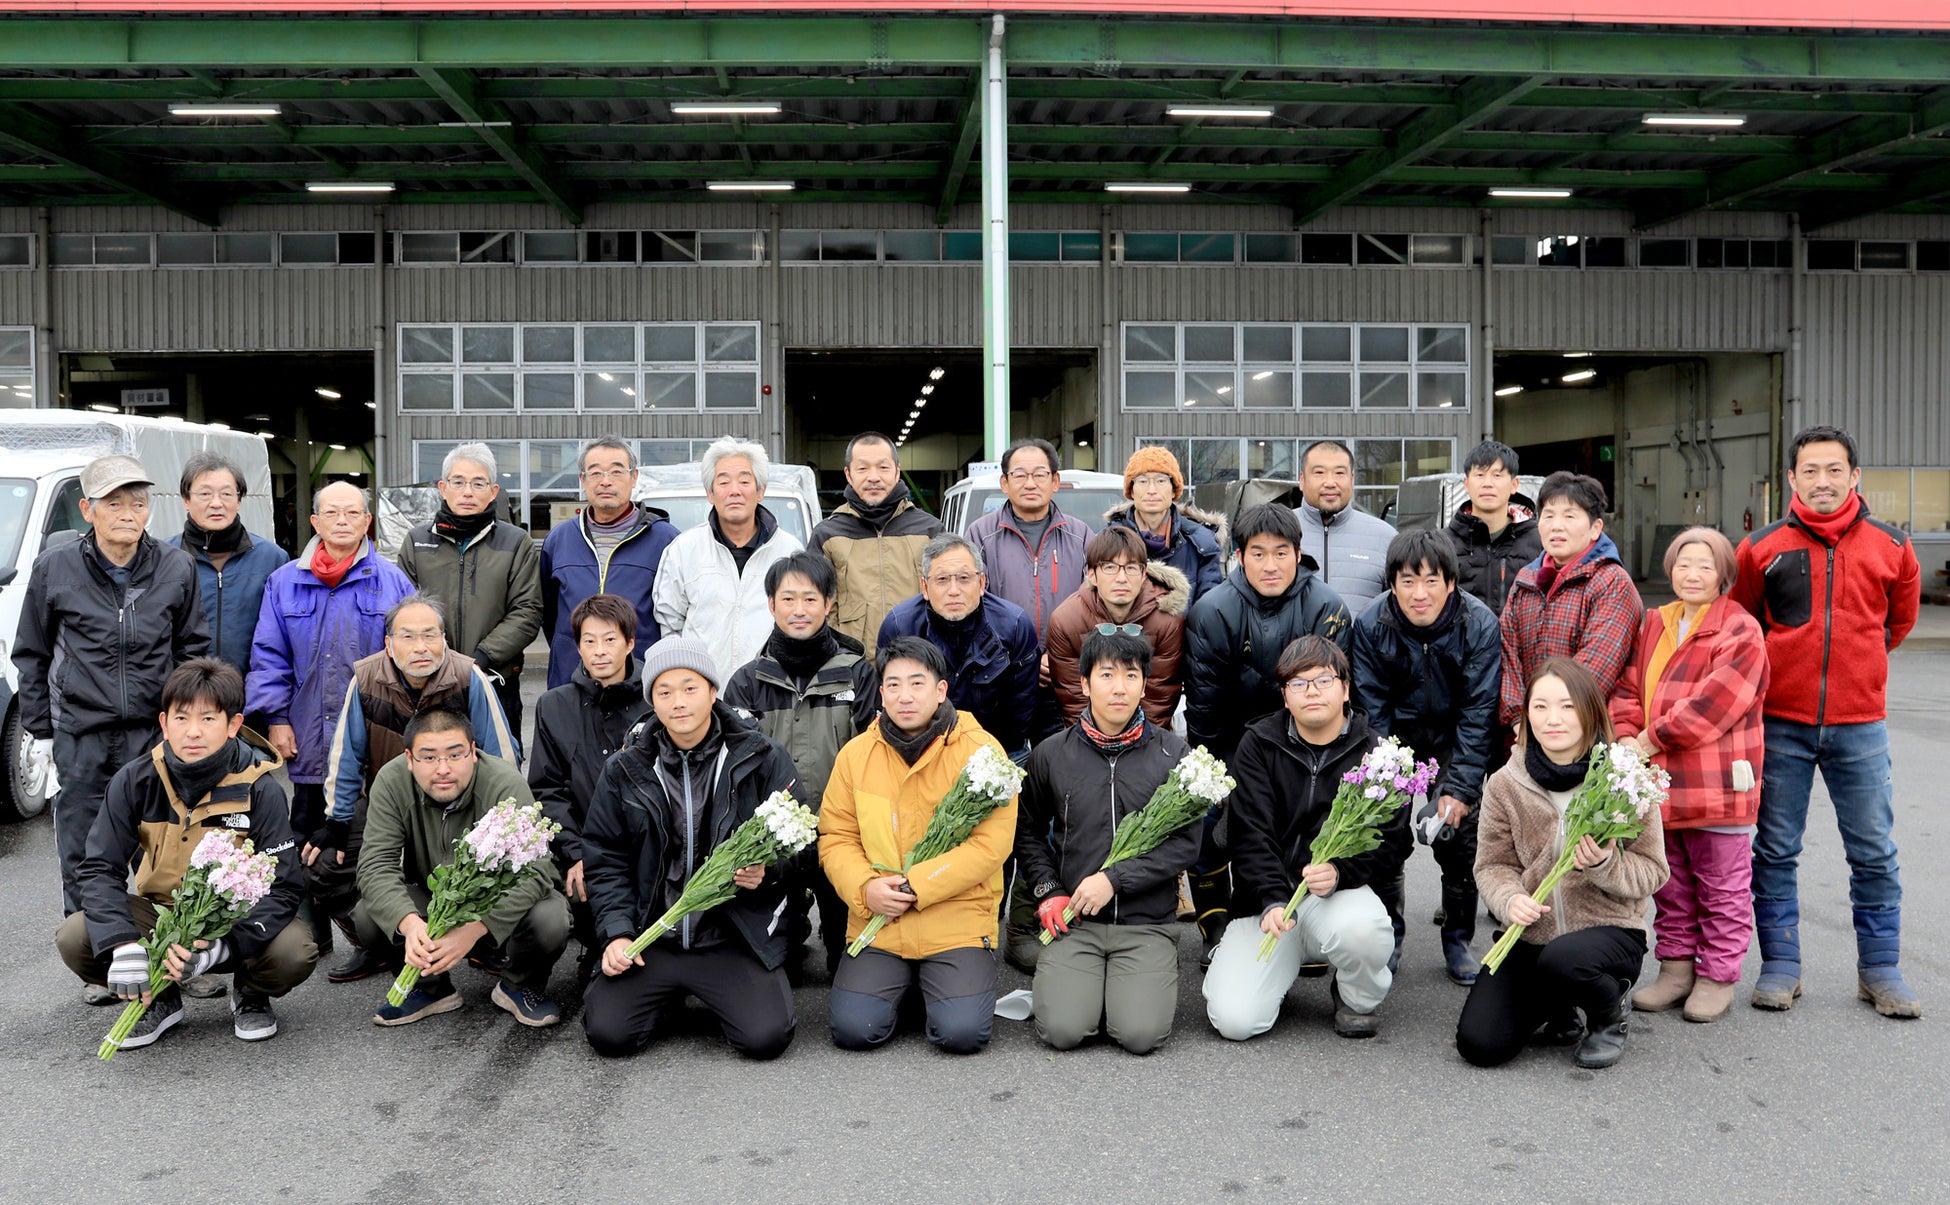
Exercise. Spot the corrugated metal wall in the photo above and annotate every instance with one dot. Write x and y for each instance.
(1875, 358)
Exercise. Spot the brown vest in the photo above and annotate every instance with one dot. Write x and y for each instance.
(388, 705)
(167, 844)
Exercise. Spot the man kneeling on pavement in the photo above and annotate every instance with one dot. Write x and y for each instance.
(421, 803)
(206, 773)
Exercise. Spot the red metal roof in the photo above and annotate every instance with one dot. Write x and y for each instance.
(1805, 14)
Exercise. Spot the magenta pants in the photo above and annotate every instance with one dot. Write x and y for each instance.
(1706, 910)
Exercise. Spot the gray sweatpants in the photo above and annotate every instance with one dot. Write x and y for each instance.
(1349, 930)
(1122, 979)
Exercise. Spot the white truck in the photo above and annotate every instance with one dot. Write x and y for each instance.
(1080, 493)
(42, 453)
(791, 494)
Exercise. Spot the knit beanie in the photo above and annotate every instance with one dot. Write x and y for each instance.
(1153, 460)
(678, 652)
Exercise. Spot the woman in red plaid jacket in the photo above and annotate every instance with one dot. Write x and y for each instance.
(1691, 698)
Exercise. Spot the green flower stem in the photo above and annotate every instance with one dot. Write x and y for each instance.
(1514, 933)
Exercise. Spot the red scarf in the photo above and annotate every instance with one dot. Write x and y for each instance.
(1118, 742)
(1827, 528)
(329, 571)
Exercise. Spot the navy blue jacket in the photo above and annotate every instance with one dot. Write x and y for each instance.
(1436, 688)
(570, 573)
(233, 595)
(994, 678)
(1196, 541)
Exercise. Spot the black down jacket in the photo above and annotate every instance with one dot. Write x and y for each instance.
(1436, 688)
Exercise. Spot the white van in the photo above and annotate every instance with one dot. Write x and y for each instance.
(42, 453)
(1081, 494)
(791, 494)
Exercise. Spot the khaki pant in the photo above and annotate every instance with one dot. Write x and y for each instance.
(1349, 930)
(1122, 979)
(275, 970)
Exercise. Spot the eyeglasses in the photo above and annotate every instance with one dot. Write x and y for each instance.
(1025, 476)
(477, 484)
(337, 512)
(205, 497)
(1312, 685)
(1121, 569)
(428, 637)
(451, 757)
(1151, 481)
(1114, 629)
(959, 581)
(600, 475)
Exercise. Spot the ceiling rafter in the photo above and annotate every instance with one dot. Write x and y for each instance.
(28, 131)
(461, 90)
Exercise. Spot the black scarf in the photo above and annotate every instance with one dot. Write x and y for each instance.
(911, 747)
(213, 543)
(1443, 618)
(193, 780)
(957, 635)
(801, 659)
(461, 528)
(876, 517)
(1548, 774)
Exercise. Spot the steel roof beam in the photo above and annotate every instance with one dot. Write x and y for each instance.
(1903, 192)
(461, 91)
(955, 169)
(28, 131)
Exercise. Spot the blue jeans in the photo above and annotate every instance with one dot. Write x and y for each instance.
(1854, 761)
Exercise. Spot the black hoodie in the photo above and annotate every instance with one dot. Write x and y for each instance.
(578, 726)
(1233, 640)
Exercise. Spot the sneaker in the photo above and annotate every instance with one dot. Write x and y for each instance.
(164, 1011)
(529, 1007)
(251, 1017)
(358, 963)
(1314, 970)
(205, 987)
(429, 997)
(98, 995)
(1347, 1022)
(487, 959)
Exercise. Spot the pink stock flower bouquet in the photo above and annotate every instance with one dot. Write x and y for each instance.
(226, 879)
(504, 844)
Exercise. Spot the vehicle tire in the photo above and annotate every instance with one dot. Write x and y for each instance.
(16, 801)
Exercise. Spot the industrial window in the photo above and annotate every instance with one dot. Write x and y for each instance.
(1883, 256)
(103, 250)
(1380, 465)
(1933, 255)
(325, 249)
(16, 366)
(596, 367)
(1206, 366)
(538, 476)
(1665, 253)
(550, 247)
(458, 247)
(669, 246)
(16, 250)
(1831, 255)
(1914, 499)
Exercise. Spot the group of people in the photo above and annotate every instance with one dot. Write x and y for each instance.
(694, 674)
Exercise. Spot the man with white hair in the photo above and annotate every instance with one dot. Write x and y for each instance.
(711, 584)
(487, 572)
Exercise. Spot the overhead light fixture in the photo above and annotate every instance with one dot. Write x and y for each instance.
(104, 408)
(628, 392)
(334, 394)
(926, 390)
(913, 414)
(257, 418)
(733, 108)
(920, 402)
(603, 376)
(349, 186)
(1444, 404)
(1532, 194)
(1248, 111)
(1223, 389)
(267, 435)
(336, 447)
(1509, 391)
(1137, 186)
(1260, 376)
(1582, 374)
(475, 125)
(937, 374)
(1577, 355)
(1708, 121)
(1083, 443)
(750, 185)
(372, 405)
(194, 110)
(218, 426)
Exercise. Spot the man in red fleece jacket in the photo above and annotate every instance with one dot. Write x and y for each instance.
(1836, 591)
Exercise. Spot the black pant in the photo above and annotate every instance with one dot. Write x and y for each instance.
(754, 1005)
(508, 692)
(532, 948)
(958, 987)
(1590, 969)
(807, 889)
(85, 763)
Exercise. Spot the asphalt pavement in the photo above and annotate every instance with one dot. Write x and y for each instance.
(1824, 1103)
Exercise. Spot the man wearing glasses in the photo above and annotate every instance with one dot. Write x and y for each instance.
(422, 803)
(414, 674)
(1034, 552)
(486, 572)
(614, 546)
(1123, 591)
(232, 565)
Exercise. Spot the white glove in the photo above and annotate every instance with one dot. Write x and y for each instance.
(41, 777)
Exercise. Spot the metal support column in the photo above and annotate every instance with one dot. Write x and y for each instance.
(1486, 362)
(382, 373)
(995, 250)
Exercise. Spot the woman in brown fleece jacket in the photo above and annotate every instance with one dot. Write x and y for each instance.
(1583, 948)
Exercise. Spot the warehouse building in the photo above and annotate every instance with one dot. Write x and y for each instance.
(1645, 251)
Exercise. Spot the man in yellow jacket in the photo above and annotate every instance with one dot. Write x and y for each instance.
(941, 914)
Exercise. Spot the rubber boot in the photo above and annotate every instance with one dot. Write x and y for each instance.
(1604, 1038)
(1778, 923)
(1212, 896)
(1670, 989)
(1878, 943)
(1459, 904)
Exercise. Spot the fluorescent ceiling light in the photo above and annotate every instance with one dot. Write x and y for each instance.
(1509, 391)
(475, 125)
(1709, 121)
(349, 186)
(1444, 404)
(334, 394)
(372, 405)
(233, 110)
(751, 185)
(913, 414)
(1260, 376)
(701, 108)
(920, 402)
(218, 426)
(1217, 111)
(104, 408)
(1532, 194)
(267, 435)
(628, 392)
(336, 447)
(937, 374)
(926, 390)
(1133, 186)
(1577, 355)
(1224, 389)
(1582, 374)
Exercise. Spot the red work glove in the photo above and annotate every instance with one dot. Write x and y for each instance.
(1050, 913)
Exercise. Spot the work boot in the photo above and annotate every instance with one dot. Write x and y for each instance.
(1709, 1001)
(358, 963)
(1021, 947)
(1347, 1022)
(1461, 964)
(1879, 980)
(1604, 1038)
(1186, 911)
(1670, 989)
(1212, 896)
(1778, 924)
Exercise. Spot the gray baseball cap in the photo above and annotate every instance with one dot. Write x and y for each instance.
(106, 474)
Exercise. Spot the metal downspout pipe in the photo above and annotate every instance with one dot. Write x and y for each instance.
(1489, 333)
(995, 249)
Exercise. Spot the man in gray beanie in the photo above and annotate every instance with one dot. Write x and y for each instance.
(692, 772)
